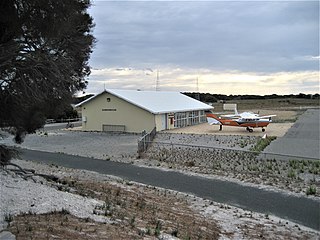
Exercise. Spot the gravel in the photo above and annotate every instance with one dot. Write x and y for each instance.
(88, 144)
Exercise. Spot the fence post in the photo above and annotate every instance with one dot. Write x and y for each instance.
(146, 140)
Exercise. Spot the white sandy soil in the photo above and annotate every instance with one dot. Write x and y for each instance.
(18, 195)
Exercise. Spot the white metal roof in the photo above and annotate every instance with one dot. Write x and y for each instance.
(156, 102)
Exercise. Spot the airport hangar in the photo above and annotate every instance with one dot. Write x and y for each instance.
(135, 111)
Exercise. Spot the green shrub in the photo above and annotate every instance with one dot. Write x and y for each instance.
(158, 228)
(8, 218)
(262, 144)
(291, 173)
(311, 190)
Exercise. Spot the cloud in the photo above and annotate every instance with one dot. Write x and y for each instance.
(240, 42)
(186, 79)
(233, 35)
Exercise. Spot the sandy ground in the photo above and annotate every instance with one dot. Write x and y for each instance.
(26, 196)
(88, 144)
(235, 223)
(274, 129)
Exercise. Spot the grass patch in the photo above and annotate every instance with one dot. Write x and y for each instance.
(311, 190)
(8, 218)
(262, 144)
(292, 174)
(313, 167)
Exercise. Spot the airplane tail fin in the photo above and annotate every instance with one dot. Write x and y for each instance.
(236, 111)
(212, 119)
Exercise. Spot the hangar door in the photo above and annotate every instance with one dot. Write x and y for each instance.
(113, 128)
(164, 121)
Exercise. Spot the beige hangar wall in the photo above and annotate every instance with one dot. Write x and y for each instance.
(111, 110)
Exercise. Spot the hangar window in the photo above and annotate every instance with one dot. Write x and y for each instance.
(183, 119)
(203, 117)
(193, 117)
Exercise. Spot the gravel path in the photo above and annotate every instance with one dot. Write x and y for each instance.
(87, 144)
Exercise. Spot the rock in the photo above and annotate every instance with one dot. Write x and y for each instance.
(5, 235)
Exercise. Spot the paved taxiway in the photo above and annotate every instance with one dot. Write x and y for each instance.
(302, 139)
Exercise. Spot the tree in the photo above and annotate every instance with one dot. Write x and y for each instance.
(45, 46)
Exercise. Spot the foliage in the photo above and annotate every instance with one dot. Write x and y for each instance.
(311, 190)
(208, 97)
(44, 52)
(67, 113)
(6, 154)
(292, 174)
(262, 144)
(8, 218)
(45, 46)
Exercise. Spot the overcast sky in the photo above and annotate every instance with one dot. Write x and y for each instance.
(228, 47)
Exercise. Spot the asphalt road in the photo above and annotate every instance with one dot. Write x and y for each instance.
(302, 210)
(301, 140)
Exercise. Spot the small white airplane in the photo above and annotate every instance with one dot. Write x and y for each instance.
(246, 115)
(246, 119)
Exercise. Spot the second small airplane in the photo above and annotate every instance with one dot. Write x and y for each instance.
(246, 119)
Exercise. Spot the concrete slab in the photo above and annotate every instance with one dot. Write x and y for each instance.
(301, 140)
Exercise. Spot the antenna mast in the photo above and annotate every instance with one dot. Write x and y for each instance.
(198, 84)
(197, 96)
(157, 81)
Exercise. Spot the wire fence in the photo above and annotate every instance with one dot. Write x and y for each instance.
(145, 141)
(48, 121)
(255, 154)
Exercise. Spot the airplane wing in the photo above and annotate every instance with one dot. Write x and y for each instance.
(231, 116)
(267, 116)
(248, 115)
(258, 117)
(241, 115)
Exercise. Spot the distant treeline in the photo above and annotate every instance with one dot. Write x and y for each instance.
(208, 97)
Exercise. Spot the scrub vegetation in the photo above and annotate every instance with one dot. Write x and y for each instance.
(262, 144)
(240, 159)
(135, 211)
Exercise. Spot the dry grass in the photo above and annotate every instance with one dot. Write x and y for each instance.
(286, 109)
(135, 211)
(283, 104)
(143, 212)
